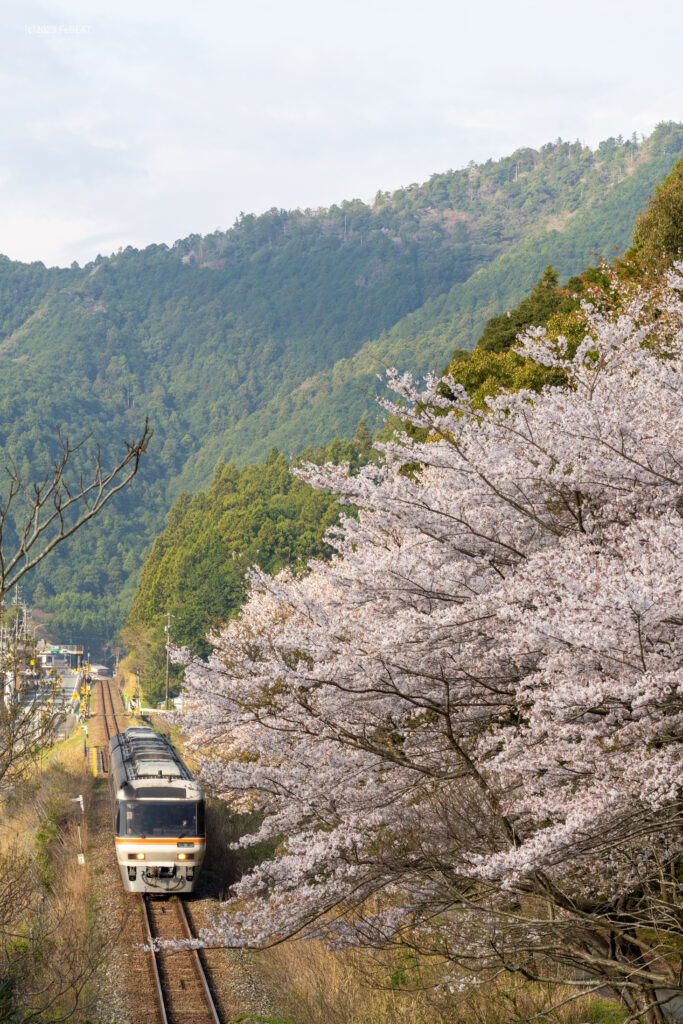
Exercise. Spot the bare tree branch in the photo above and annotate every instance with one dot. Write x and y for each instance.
(54, 508)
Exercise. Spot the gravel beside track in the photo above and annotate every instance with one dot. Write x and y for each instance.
(233, 975)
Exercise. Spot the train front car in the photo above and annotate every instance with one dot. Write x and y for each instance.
(158, 812)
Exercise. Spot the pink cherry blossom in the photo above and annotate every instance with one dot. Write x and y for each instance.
(464, 730)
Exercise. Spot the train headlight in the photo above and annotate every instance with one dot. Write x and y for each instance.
(185, 856)
(136, 856)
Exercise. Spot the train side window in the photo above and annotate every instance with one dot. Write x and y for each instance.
(200, 818)
(117, 820)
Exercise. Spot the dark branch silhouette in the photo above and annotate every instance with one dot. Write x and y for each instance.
(54, 509)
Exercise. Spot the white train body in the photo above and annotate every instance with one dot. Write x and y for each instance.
(158, 814)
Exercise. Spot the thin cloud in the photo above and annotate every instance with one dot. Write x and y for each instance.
(143, 122)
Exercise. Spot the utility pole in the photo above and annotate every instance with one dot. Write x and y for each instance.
(17, 597)
(167, 631)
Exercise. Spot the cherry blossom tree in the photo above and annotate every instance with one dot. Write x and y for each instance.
(463, 732)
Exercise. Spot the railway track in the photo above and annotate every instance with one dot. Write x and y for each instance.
(111, 719)
(179, 981)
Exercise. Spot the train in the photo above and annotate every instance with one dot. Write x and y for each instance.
(158, 814)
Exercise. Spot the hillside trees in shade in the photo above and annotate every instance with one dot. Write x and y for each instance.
(659, 230)
(260, 515)
(464, 730)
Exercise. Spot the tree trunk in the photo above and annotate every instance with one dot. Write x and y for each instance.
(642, 1004)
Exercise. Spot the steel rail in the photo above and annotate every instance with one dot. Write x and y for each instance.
(155, 966)
(198, 962)
(111, 720)
(204, 991)
(105, 713)
(105, 688)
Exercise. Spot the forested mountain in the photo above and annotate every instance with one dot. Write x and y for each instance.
(266, 516)
(272, 333)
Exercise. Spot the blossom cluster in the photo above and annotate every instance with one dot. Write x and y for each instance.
(478, 700)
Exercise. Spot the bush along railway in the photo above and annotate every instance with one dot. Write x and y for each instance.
(158, 826)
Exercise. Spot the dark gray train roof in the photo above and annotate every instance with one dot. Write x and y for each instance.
(141, 753)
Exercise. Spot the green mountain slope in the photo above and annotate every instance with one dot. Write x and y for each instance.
(195, 571)
(272, 332)
(425, 339)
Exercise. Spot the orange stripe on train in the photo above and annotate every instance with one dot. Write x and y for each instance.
(165, 842)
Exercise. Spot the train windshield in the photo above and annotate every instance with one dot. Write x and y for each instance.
(170, 818)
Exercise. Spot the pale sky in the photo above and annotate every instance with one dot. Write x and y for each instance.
(136, 122)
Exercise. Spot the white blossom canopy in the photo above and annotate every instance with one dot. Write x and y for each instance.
(464, 731)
